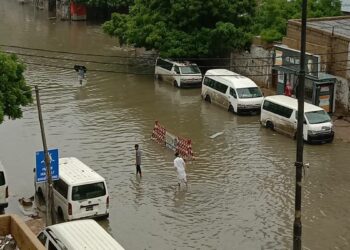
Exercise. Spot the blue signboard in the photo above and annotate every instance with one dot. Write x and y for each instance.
(41, 167)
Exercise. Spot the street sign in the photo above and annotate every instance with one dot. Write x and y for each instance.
(41, 167)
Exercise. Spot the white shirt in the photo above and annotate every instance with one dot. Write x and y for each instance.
(179, 165)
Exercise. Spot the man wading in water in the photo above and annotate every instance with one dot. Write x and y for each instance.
(138, 160)
(179, 165)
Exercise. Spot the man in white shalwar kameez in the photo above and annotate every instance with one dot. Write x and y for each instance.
(179, 165)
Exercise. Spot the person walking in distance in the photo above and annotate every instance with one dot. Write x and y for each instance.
(180, 165)
(138, 160)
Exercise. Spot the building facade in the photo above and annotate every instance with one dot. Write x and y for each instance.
(329, 38)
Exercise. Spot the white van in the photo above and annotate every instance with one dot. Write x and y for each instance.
(76, 235)
(280, 113)
(80, 192)
(4, 190)
(180, 74)
(232, 91)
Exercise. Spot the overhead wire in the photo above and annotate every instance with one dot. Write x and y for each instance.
(152, 56)
(148, 65)
(152, 74)
(67, 52)
(143, 64)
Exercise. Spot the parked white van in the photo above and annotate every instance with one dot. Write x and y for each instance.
(4, 191)
(280, 113)
(180, 74)
(232, 91)
(76, 235)
(80, 192)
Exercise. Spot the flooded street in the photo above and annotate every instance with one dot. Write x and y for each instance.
(241, 193)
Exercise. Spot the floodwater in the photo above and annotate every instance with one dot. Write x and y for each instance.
(241, 192)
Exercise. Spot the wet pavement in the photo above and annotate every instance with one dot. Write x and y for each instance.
(241, 192)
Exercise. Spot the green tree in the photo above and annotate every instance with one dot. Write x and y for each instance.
(14, 93)
(187, 28)
(272, 15)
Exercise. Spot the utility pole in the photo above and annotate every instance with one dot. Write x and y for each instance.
(50, 211)
(297, 227)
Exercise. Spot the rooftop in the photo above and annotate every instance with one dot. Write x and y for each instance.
(75, 172)
(337, 25)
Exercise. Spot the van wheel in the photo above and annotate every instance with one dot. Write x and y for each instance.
(177, 85)
(231, 109)
(60, 216)
(270, 125)
(207, 98)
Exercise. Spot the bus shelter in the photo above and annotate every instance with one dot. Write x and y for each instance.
(319, 86)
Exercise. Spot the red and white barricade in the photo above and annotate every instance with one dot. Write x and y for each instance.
(178, 144)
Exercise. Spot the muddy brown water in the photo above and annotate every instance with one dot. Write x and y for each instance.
(241, 193)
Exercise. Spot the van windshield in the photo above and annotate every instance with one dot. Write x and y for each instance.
(252, 92)
(191, 69)
(88, 191)
(319, 116)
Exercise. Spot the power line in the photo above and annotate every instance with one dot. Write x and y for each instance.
(152, 74)
(145, 64)
(68, 59)
(93, 70)
(148, 65)
(151, 56)
(71, 53)
(142, 64)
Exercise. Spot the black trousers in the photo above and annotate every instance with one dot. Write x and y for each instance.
(138, 169)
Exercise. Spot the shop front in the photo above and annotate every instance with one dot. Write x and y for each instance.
(319, 86)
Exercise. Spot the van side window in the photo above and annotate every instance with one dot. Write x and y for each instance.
(176, 69)
(277, 109)
(52, 246)
(208, 82)
(233, 93)
(215, 85)
(164, 64)
(61, 187)
(42, 238)
(220, 87)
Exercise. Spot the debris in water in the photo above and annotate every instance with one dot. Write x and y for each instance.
(216, 135)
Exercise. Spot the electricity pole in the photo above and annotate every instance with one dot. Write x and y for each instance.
(297, 227)
(50, 211)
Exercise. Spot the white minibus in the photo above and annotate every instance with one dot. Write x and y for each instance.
(280, 113)
(77, 235)
(232, 91)
(80, 192)
(180, 74)
(4, 191)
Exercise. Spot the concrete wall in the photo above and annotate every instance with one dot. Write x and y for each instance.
(342, 95)
(255, 64)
